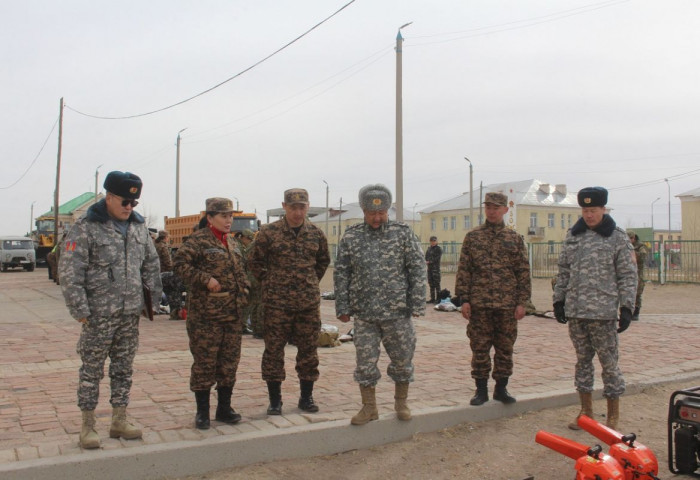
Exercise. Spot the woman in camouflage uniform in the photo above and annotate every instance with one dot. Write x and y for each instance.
(218, 288)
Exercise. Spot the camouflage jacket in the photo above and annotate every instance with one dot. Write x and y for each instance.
(493, 269)
(202, 257)
(432, 256)
(379, 273)
(641, 252)
(289, 266)
(102, 272)
(166, 261)
(597, 272)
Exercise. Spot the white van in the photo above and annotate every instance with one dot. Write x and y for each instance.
(17, 252)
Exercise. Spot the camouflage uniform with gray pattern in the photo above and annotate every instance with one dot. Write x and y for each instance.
(380, 280)
(597, 275)
(101, 275)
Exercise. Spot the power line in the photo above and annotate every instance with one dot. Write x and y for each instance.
(221, 83)
(35, 158)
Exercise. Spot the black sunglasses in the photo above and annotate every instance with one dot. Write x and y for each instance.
(126, 202)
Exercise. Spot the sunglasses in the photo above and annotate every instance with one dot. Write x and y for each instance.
(127, 201)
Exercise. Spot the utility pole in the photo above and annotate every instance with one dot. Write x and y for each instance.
(328, 212)
(471, 194)
(96, 175)
(31, 219)
(340, 214)
(177, 175)
(58, 173)
(399, 126)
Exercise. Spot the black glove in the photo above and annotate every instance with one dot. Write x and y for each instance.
(625, 319)
(559, 312)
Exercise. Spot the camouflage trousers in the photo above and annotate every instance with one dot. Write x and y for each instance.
(434, 277)
(497, 328)
(173, 288)
(591, 337)
(399, 339)
(117, 337)
(640, 290)
(299, 328)
(216, 350)
(253, 311)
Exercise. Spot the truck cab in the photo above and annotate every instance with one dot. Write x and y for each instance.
(17, 252)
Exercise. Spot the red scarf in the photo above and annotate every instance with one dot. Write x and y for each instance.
(218, 234)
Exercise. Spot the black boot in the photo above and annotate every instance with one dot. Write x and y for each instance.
(201, 420)
(274, 391)
(500, 393)
(482, 393)
(635, 315)
(224, 412)
(306, 400)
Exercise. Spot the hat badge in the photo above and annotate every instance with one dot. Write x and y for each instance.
(376, 201)
(133, 190)
(587, 200)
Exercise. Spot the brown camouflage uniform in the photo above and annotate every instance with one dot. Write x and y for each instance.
(213, 319)
(493, 277)
(289, 268)
(166, 262)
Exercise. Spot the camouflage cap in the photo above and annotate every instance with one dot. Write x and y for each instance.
(162, 233)
(248, 233)
(123, 184)
(296, 195)
(592, 197)
(633, 236)
(219, 205)
(433, 238)
(496, 198)
(375, 197)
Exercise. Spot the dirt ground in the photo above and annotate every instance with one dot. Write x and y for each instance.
(503, 449)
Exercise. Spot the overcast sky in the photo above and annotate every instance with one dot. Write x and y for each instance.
(568, 92)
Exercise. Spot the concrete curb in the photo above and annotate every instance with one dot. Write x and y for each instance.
(184, 458)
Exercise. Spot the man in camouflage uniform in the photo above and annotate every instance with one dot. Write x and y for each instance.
(253, 311)
(493, 283)
(108, 255)
(433, 255)
(641, 252)
(380, 281)
(218, 291)
(289, 258)
(597, 275)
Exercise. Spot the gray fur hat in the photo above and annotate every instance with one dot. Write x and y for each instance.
(375, 197)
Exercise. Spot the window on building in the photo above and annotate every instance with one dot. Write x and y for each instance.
(550, 220)
(661, 238)
(335, 231)
(563, 224)
(444, 223)
(533, 219)
(481, 218)
(551, 246)
(467, 222)
(569, 221)
(433, 224)
(453, 223)
(670, 238)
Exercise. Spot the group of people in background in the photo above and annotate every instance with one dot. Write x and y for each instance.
(380, 276)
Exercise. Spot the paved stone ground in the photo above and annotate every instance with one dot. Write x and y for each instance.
(38, 372)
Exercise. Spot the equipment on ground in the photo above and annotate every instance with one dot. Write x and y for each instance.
(684, 431)
(591, 462)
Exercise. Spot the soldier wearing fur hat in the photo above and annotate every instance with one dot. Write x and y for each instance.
(493, 283)
(597, 281)
(289, 258)
(380, 281)
(106, 257)
(217, 294)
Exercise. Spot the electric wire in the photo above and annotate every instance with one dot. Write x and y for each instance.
(100, 117)
(35, 158)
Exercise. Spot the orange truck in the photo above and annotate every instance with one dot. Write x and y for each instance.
(180, 227)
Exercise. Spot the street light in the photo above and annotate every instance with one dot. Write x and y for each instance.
(414, 218)
(96, 173)
(399, 126)
(471, 194)
(652, 217)
(31, 218)
(236, 203)
(669, 206)
(177, 175)
(328, 212)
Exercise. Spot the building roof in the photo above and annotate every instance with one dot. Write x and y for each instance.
(353, 211)
(690, 193)
(524, 192)
(72, 205)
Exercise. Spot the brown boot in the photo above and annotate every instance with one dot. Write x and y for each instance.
(88, 435)
(121, 426)
(369, 407)
(586, 408)
(400, 396)
(613, 413)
